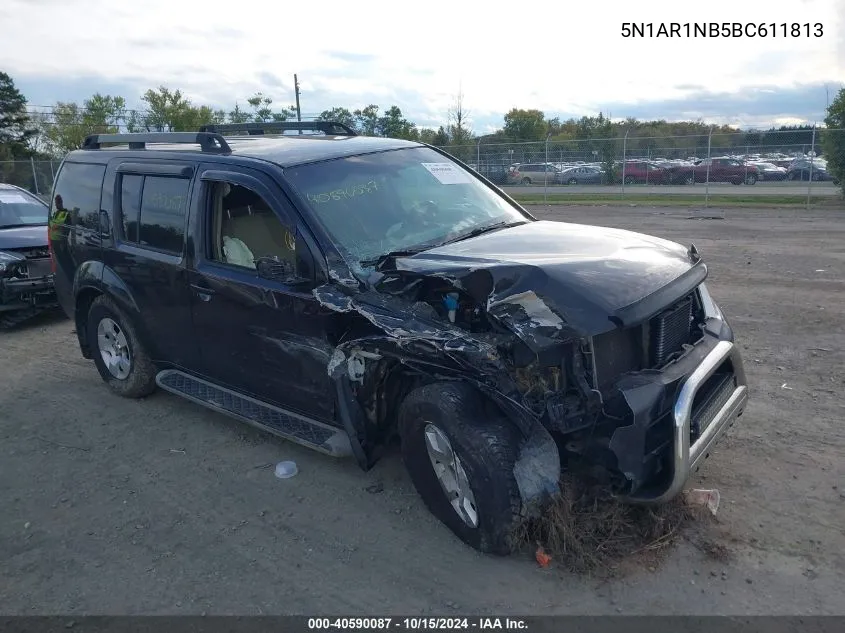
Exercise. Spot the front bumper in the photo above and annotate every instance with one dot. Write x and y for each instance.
(687, 454)
(19, 293)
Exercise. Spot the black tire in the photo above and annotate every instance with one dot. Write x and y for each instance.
(526, 181)
(572, 181)
(689, 180)
(751, 179)
(629, 180)
(487, 448)
(140, 381)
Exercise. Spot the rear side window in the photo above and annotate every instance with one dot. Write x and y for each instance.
(153, 210)
(77, 195)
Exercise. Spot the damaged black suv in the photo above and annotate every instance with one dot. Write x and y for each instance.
(341, 291)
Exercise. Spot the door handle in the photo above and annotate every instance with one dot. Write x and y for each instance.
(203, 292)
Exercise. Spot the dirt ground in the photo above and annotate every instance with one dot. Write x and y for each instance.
(161, 507)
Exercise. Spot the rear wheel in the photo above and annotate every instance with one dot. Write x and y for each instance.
(689, 180)
(629, 180)
(461, 462)
(118, 354)
(526, 181)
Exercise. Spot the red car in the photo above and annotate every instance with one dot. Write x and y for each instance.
(645, 172)
(730, 170)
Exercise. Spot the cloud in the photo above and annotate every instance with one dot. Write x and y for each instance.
(571, 61)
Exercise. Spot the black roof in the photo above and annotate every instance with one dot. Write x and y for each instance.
(285, 150)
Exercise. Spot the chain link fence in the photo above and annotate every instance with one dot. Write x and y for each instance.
(33, 175)
(772, 166)
(782, 165)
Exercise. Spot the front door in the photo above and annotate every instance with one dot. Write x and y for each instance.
(262, 337)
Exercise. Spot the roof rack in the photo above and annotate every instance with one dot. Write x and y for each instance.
(208, 141)
(273, 127)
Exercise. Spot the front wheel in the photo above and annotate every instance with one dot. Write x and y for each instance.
(526, 181)
(572, 181)
(751, 179)
(120, 357)
(461, 462)
(629, 180)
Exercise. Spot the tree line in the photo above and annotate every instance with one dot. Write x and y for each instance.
(64, 126)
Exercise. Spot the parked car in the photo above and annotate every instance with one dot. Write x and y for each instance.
(536, 174)
(644, 172)
(770, 171)
(26, 278)
(341, 294)
(802, 169)
(716, 170)
(497, 174)
(584, 175)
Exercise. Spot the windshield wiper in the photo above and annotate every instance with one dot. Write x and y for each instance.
(504, 224)
(402, 252)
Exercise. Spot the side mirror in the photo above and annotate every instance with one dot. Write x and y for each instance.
(281, 270)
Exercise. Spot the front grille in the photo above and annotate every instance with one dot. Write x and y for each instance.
(647, 346)
(670, 330)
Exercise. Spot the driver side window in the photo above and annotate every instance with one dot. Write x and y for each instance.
(244, 228)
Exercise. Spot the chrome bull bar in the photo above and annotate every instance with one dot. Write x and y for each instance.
(687, 456)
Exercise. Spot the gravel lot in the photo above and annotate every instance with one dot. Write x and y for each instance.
(160, 507)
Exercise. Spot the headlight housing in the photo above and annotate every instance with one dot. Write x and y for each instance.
(7, 260)
(711, 310)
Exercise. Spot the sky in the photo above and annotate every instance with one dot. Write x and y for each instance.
(568, 59)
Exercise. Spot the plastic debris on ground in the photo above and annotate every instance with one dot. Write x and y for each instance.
(708, 498)
(543, 559)
(286, 470)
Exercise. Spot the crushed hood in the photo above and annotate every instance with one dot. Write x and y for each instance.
(591, 278)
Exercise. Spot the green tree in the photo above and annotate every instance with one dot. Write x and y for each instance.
(525, 125)
(394, 125)
(339, 115)
(262, 112)
(367, 120)
(238, 116)
(169, 111)
(438, 137)
(833, 138)
(15, 128)
(100, 114)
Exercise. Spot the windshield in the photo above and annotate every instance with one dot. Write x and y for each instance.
(398, 200)
(20, 209)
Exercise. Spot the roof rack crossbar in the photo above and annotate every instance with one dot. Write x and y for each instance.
(208, 141)
(271, 127)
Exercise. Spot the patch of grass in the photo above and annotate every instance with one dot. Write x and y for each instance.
(587, 530)
(670, 199)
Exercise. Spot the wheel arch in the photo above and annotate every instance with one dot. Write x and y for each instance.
(388, 380)
(94, 279)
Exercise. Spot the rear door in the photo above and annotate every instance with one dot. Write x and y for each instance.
(267, 338)
(147, 205)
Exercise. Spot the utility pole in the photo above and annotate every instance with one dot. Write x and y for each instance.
(296, 90)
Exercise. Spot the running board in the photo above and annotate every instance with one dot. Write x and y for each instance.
(290, 426)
